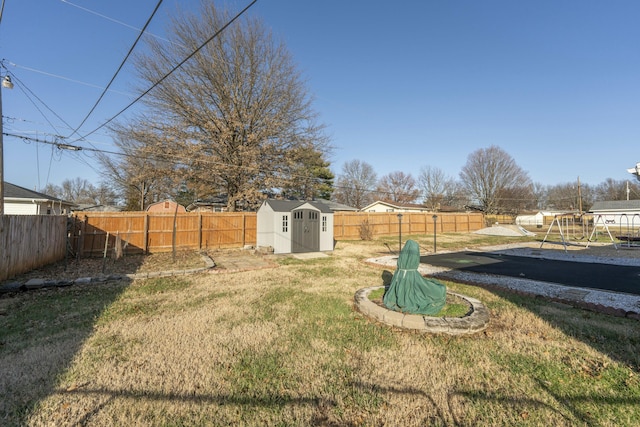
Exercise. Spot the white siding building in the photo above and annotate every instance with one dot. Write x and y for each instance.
(624, 215)
(382, 206)
(22, 201)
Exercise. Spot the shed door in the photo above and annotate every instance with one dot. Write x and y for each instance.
(305, 234)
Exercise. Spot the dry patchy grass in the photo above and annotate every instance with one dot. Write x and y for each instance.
(284, 347)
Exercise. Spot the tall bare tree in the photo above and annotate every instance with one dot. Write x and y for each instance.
(495, 181)
(230, 116)
(438, 189)
(356, 184)
(139, 174)
(611, 189)
(81, 191)
(566, 197)
(398, 187)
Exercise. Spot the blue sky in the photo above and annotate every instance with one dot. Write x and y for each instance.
(400, 85)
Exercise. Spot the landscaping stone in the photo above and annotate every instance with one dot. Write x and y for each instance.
(35, 284)
(475, 321)
(11, 287)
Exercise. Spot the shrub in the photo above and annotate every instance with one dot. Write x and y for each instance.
(366, 230)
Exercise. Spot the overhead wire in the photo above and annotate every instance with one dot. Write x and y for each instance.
(58, 76)
(13, 120)
(83, 138)
(176, 67)
(135, 43)
(180, 160)
(24, 88)
(113, 20)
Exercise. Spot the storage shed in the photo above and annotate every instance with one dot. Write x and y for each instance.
(294, 226)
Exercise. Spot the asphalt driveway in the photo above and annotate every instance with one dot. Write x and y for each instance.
(607, 277)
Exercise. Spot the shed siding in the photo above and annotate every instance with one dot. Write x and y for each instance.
(281, 234)
(326, 232)
(265, 227)
(275, 225)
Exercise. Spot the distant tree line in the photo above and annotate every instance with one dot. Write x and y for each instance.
(490, 181)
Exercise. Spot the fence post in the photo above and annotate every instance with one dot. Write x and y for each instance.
(146, 233)
(199, 231)
(244, 226)
(80, 241)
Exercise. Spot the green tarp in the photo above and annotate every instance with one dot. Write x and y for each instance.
(409, 292)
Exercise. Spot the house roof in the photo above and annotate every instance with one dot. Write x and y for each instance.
(616, 205)
(397, 205)
(335, 206)
(289, 205)
(97, 208)
(12, 191)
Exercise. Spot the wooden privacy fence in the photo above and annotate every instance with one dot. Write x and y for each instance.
(142, 232)
(30, 241)
(348, 225)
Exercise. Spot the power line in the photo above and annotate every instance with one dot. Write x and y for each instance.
(57, 76)
(112, 20)
(183, 161)
(140, 34)
(24, 87)
(153, 86)
(12, 120)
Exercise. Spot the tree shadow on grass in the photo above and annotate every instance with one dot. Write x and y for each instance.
(617, 337)
(602, 332)
(41, 331)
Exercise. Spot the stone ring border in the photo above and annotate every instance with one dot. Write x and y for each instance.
(475, 321)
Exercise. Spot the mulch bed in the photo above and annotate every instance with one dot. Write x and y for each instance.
(129, 264)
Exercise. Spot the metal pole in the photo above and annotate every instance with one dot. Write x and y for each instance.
(400, 233)
(6, 82)
(435, 220)
(1, 156)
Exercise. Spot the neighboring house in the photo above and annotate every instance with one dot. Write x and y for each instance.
(621, 213)
(83, 207)
(168, 206)
(214, 204)
(22, 201)
(538, 219)
(294, 226)
(382, 206)
(335, 206)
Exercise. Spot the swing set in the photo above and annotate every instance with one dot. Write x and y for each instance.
(566, 224)
(632, 234)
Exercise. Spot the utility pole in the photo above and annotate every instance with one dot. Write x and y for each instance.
(628, 191)
(6, 82)
(579, 197)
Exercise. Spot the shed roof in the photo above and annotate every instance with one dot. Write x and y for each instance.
(290, 205)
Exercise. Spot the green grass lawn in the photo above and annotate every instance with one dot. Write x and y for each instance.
(284, 346)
